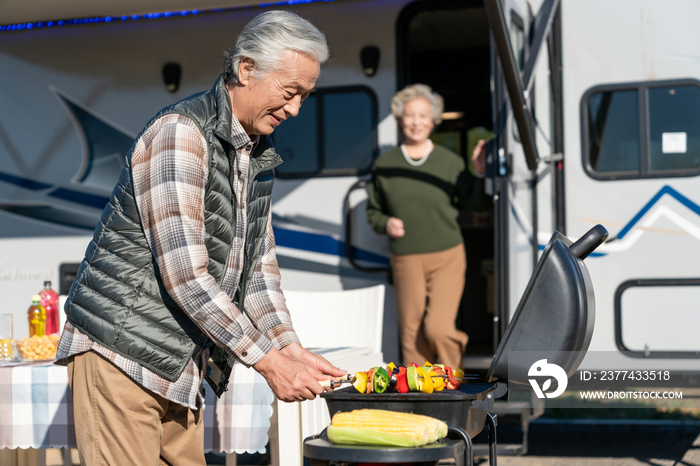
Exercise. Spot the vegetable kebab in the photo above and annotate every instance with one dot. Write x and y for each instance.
(428, 378)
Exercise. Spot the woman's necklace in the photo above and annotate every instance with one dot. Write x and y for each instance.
(420, 161)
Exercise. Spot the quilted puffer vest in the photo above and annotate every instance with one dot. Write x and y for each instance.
(118, 298)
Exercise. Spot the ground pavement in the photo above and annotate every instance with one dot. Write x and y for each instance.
(605, 443)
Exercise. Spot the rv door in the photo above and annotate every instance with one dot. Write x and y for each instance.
(525, 116)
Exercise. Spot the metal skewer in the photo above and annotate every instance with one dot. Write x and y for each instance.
(348, 378)
(337, 381)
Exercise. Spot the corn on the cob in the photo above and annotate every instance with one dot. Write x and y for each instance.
(392, 422)
(366, 436)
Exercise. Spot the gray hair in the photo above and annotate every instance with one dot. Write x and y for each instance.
(267, 37)
(415, 91)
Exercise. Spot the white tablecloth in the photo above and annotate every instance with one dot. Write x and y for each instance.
(36, 410)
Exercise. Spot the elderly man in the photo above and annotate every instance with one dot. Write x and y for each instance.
(181, 277)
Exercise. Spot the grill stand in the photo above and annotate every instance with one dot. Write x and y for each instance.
(458, 445)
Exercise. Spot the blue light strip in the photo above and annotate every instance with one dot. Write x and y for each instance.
(166, 14)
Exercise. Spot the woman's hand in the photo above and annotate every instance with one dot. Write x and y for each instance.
(394, 228)
(479, 157)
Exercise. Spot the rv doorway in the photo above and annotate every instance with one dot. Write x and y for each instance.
(445, 44)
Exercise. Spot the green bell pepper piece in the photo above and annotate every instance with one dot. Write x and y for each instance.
(381, 380)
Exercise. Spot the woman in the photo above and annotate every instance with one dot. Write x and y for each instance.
(412, 199)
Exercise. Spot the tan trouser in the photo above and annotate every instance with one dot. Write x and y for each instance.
(428, 292)
(118, 422)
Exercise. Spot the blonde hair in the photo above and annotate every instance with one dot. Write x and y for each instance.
(415, 91)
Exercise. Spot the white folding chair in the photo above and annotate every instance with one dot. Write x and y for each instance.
(323, 320)
(335, 319)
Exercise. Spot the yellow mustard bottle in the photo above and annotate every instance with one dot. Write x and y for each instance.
(36, 315)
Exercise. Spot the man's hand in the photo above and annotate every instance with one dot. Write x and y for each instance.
(316, 361)
(394, 227)
(289, 378)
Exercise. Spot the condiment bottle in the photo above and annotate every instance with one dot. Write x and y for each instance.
(36, 315)
(6, 350)
(49, 300)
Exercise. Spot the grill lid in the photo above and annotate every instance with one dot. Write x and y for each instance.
(555, 317)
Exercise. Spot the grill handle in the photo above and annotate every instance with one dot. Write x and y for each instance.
(587, 243)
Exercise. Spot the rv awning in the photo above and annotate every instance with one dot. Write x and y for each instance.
(32, 11)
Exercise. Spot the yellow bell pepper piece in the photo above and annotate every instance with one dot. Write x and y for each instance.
(457, 372)
(390, 367)
(425, 383)
(360, 382)
(438, 382)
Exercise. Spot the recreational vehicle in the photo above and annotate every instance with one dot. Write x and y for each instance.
(593, 109)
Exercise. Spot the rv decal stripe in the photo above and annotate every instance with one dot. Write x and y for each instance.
(294, 263)
(91, 200)
(640, 222)
(665, 190)
(23, 182)
(321, 243)
(541, 247)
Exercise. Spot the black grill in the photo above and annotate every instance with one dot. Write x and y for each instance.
(554, 319)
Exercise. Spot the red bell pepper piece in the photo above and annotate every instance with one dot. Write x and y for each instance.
(451, 382)
(413, 364)
(402, 381)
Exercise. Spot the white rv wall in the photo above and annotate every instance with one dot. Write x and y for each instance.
(617, 42)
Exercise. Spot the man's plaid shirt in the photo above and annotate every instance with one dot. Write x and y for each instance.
(169, 170)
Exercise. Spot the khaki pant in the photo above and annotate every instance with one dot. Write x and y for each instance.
(428, 292)
(118, 422)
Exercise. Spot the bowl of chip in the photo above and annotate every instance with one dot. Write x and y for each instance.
(37, 349)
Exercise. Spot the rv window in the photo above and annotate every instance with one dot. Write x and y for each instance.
(657, 317)
(661, 140)
(348, 125)
(333, 135)
(296, 141)
(613, 131)
(674, 128)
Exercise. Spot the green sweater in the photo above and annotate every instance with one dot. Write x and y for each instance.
(424, 197)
